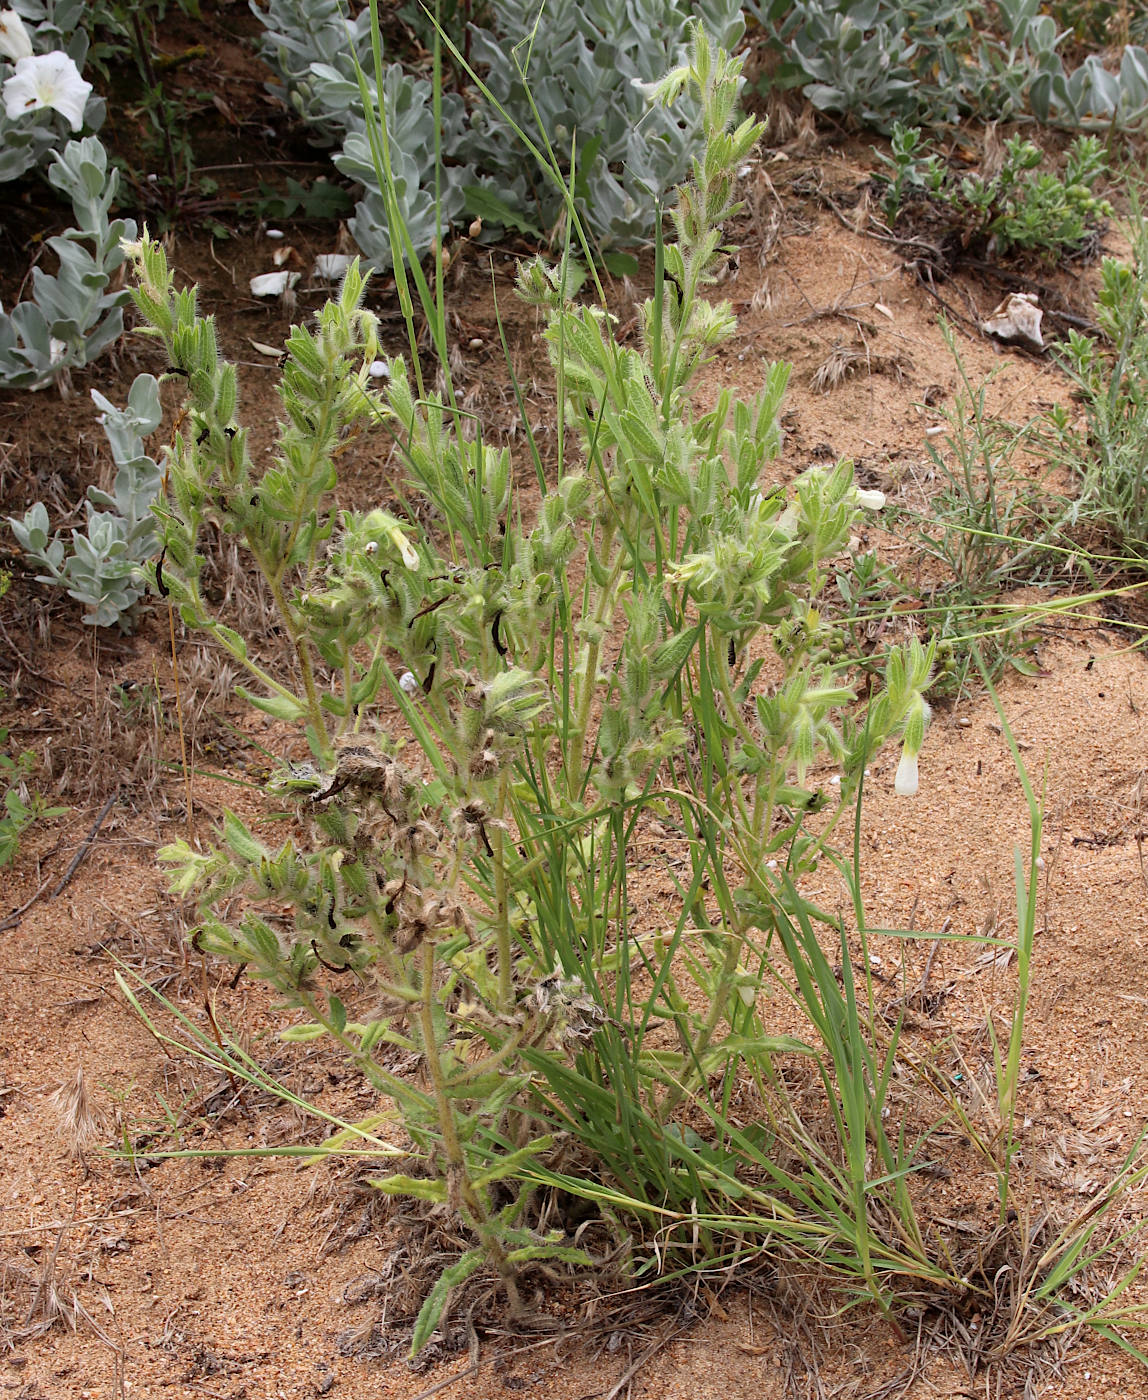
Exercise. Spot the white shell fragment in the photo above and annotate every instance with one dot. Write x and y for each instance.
(1017, 318)
(273, 284)
(330, 266)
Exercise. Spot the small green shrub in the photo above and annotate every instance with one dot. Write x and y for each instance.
(1020, 207)
(989, 527)
(1109, 455)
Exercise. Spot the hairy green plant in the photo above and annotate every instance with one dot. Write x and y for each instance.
(489, 709)
(475, 877)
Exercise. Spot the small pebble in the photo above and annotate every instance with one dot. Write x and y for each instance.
(476, 344)
(273, 233)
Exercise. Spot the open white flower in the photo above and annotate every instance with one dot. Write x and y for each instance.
(14, 41)
(47, 80)
(906, 782)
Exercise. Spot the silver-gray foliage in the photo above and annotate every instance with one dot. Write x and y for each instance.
(408, 104)
(573, 79)
(101, 567)
(581, 64)
(312, 46)
(881, 61)
(75, 314)
(302, 33)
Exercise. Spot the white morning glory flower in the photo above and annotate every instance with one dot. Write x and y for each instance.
(14, 41)
(871, 500)
(905, 784)
(47, 80)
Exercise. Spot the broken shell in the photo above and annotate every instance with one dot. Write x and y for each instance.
(1018, 319)
(273, 284)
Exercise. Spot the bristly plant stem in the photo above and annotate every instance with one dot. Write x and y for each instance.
(306, 667)
(458, 1178)
(502, 901)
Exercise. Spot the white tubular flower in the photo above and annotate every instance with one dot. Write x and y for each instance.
(383, 524)
(871, 500)
(47, 80)
(906, 782)
(14, 41)
(788, 520)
